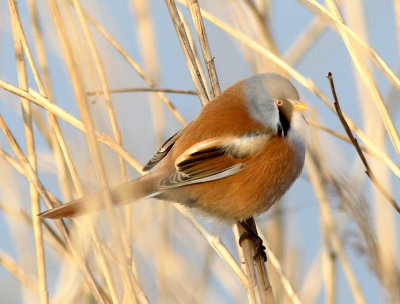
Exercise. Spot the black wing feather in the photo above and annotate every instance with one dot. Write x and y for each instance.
(162, 152)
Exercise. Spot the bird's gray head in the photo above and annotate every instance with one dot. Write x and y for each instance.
(273, 101)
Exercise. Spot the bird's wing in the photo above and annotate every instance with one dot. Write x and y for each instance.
(162, 152)
(214, 159)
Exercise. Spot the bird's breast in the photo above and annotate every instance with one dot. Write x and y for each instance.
(267, 176)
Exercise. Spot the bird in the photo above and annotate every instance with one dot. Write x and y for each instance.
(234, 161)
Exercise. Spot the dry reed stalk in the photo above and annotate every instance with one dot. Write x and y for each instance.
(374, 148)
(260, 290)
(101, 73)
(12, 161)
(305, 41)
(331, 234)
(130, 90)
(341, 136)
(241, 17)
(349, 37)
(381, 156)
(124, 247)
(26, 168)
(116, 131)
(49, 234)
(206, 273)
(49, 201)
(19, 213)
(397, 18)
(312, 284)
(77, 83)
(385, 218)
(262, 17)
(136, 67)
(317, 169)
(359, 209)
(20, 274)
(43, 102)
(105, 267)
(188, 51)
(219, 247)
(88, 122)
(368, 170)
(236, 14)
(149, 52)
(245, 255)
(329, 255)
(22, 213)
(55, 125)
(89, 278)
(31, 152)
(277, 226)
(139, 296)
(276, 264)
(387, 265)
(29, 171)
(205, 46)
(260, 30)
(53, 135)
(196, 56)
(318, 9)
(78, 257)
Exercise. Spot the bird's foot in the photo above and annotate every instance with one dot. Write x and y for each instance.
(250, 234)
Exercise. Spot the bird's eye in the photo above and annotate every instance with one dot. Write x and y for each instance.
(279, 102)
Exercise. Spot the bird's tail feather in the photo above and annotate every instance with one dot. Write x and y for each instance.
(121, 194)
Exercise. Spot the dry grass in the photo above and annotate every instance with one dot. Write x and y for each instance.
(82, 108)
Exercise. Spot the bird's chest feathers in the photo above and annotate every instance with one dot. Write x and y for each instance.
(276, 166)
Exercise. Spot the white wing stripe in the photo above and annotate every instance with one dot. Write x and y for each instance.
(225, 173)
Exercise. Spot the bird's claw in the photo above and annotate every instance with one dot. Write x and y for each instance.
(259, 247)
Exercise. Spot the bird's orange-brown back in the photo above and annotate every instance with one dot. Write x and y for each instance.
(216, 120)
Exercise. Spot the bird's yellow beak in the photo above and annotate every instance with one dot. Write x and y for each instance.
(300, 106)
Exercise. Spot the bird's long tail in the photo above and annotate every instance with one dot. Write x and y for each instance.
(121, 194)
